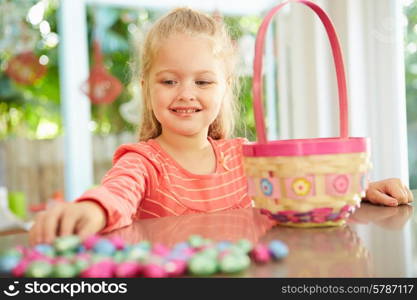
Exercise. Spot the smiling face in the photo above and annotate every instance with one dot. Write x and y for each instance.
(187, 84)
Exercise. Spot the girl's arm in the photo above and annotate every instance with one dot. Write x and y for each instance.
(121, 190)
(109, 206)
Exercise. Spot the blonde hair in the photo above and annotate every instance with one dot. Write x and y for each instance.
(188, 21)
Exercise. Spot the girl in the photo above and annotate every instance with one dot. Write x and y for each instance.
(185, 161)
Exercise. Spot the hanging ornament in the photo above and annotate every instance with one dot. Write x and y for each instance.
(101, 86)
(25, 68)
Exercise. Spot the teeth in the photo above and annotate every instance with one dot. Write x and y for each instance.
(186, 111)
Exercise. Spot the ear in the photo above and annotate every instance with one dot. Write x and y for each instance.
(142, 82)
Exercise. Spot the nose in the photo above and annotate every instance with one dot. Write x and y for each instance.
(186, 92)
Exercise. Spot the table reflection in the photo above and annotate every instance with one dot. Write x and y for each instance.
(247, 223)
(391, 218)
(322, 252)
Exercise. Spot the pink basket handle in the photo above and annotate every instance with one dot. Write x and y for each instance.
(338, 61)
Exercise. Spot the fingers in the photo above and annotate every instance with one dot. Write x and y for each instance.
(93, 222)
(86, 228)
(68, 223)
(376, 197)
(51, 224)
(397, 190)
(59, 220)
(66, 219)
(410, 195)
(35, 233)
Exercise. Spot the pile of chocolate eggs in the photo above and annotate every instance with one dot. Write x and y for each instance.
(101, 257)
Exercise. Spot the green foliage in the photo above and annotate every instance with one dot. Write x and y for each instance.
(246, 123)
(411, 61)
(410, 12)
(23, 108)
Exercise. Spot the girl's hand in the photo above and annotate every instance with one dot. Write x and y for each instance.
(390, 192)
(82, 218)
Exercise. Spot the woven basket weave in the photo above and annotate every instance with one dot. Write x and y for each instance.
(306, 182)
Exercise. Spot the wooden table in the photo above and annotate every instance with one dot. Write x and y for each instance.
(376, 241)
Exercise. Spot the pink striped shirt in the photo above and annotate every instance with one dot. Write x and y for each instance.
(146, 182)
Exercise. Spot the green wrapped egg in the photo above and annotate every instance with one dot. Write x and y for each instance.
(137, 254)
(196, 241)
(81, 264)
(210, 252)
(119, 256)
(68, 254)
(234, 263)
(208, 242)
(245, 245)
(65, 270)
(96, 257)
(39, 269)
(202, 265)
(237, 250)
(65, 244)
(145, 245)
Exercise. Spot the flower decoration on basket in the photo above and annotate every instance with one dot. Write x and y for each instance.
(306, 182)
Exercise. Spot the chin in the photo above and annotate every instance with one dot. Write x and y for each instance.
(189, 132)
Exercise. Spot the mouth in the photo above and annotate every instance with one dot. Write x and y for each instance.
(185, 110)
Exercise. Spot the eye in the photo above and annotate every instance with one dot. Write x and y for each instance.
(203, 82)
(169, 82)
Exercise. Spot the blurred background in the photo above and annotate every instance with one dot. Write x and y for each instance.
(68, 97)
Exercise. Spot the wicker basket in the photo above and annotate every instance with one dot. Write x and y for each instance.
(306, 182)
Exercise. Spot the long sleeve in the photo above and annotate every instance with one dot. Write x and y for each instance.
(121, 190)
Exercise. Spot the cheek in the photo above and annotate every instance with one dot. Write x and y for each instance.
(159, 99)
(158, 95)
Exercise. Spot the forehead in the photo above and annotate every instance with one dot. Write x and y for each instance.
(187, 53)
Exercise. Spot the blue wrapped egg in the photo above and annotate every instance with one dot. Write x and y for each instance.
(104, 247)
(278, 249)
